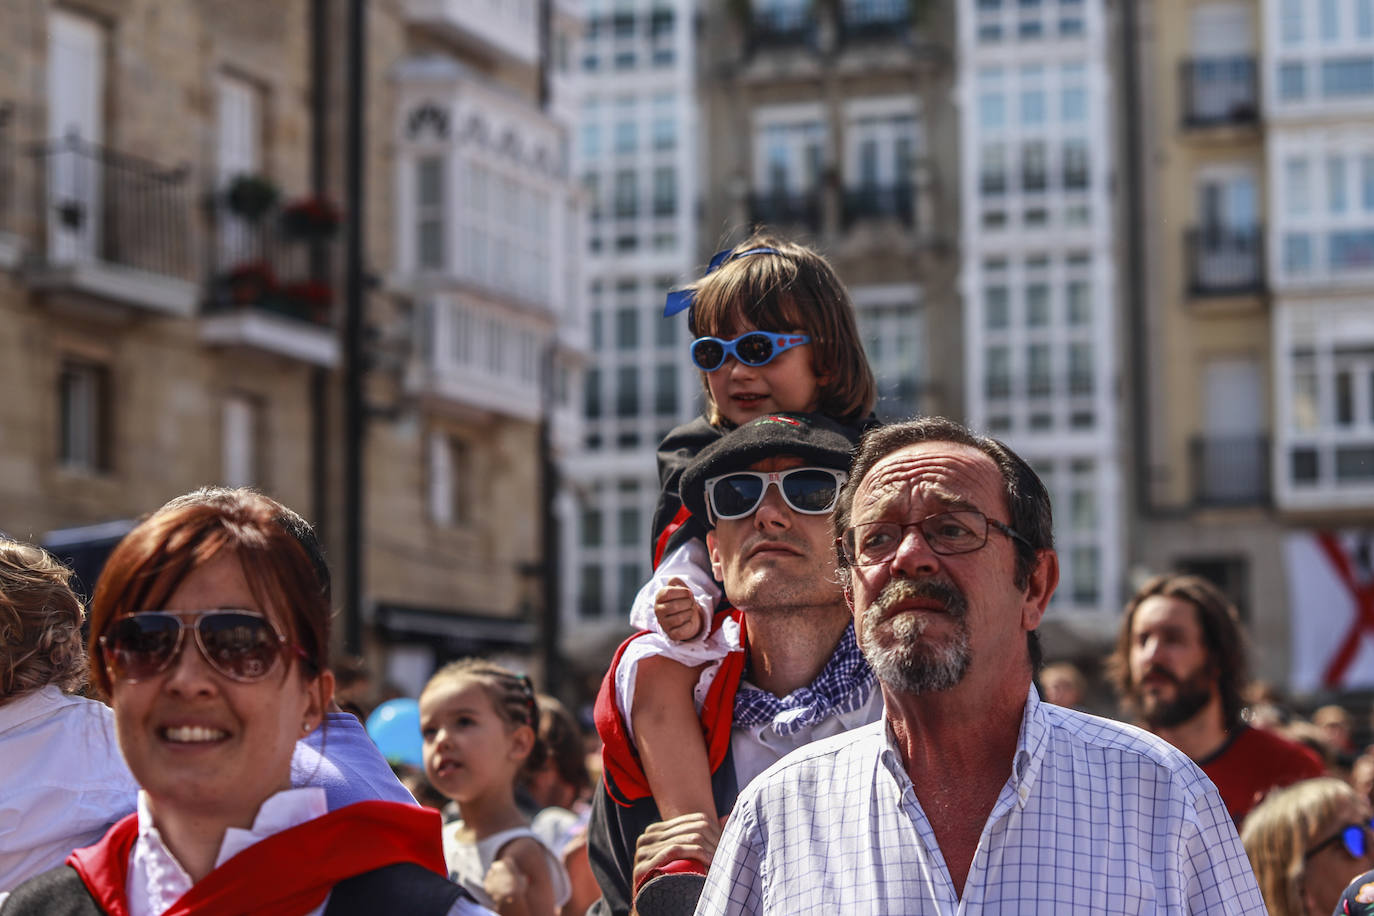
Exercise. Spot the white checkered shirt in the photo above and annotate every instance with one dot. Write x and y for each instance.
(1097, 817)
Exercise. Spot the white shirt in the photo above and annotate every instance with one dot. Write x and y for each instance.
(64, 780)
(157, 880)
(468, 862)
(756, 748)
(1097, 816)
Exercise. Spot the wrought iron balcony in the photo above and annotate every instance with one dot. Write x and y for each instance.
(113, 226)
(874, 20)
(1230, 470)
(268, 288)
(782, 27)
(1219, 91)
(95, 204)
(893, 202)
(275, 262)
(783, 208)
(1225, 260)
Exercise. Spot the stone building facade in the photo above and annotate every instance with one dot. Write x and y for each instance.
(172, 183)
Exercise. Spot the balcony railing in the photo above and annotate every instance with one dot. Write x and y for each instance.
(1225, 261)
(274, 263)
(782, 27)
(787, 209)
(1219, 91)
(99, 206)
(874, 20)
(1230, 470)
(890, 202)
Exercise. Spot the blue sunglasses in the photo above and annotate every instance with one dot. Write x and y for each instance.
(756, 348)
(1354, 837)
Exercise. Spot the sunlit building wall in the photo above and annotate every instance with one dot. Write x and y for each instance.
(637, 153)
(1039, 278)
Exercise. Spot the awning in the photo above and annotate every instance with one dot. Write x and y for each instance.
(454, 633)
(86, 548)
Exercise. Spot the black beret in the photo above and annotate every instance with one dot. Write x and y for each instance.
(815, 439)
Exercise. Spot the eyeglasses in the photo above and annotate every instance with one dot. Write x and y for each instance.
(945, 533)
(241, 645)
(810, 491)
(1354, 837)
(757, 348)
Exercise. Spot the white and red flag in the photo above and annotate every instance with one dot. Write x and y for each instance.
(1331, 609)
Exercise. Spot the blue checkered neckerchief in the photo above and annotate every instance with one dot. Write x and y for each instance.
(837, 689)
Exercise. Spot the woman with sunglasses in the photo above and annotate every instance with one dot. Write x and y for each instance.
(1306, 842)
(210, 635)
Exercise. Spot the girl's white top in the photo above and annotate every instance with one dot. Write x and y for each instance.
(468, 863)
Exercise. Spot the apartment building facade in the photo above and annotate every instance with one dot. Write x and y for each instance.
(637, 153)
(832, 124)
(172, 219)
(1258, 426)
(1039, 279)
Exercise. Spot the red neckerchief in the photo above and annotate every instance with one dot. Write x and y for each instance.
(271, 877)
(622, 772)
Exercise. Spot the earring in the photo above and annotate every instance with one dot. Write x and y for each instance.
(305, 727)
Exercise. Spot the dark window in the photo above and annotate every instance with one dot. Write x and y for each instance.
(83, 410)
(1230, 574)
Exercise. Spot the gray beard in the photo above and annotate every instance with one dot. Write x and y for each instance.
(909, 663)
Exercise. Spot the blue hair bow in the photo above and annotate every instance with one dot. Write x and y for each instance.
(679, 300)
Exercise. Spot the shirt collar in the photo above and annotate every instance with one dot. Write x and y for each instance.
(279, 812)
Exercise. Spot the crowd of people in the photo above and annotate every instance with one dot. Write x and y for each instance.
(835, 702)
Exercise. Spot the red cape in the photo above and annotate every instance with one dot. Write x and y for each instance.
(274, 877)
(623, 774)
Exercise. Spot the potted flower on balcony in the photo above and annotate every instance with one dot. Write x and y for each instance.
(310, 219)
(251, 196)
(308, 300)
(248, 283)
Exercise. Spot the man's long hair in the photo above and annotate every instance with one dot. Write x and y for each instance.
(1221, 633)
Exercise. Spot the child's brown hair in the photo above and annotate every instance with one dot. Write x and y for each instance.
(511, 695)
(795, 289)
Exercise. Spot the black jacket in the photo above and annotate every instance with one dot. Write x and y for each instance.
(402, 888)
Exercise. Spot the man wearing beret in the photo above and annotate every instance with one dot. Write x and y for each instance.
(799, 676)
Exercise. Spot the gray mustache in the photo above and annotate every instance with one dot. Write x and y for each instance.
(899, 590)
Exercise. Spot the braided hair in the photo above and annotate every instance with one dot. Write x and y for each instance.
(511, 695)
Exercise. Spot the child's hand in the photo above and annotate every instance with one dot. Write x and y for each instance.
(504, 882)
(676, 609)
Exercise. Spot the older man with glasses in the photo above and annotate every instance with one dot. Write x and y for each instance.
(970, 795)
(767, 490)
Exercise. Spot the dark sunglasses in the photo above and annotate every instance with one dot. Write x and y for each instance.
(241, 645)
(1354, 837)
(756, 348)
(810, 491)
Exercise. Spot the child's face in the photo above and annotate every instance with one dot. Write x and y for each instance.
(469, 750)
(787, 384)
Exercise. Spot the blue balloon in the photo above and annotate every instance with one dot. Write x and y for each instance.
(394, 727)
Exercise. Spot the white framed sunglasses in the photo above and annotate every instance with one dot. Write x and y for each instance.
(808, 490)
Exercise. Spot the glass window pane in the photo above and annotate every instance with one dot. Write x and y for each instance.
(626, 328)
(1079, 304)
(1290, 22)
(1292, 81)
(995, 305)
(1038, 304)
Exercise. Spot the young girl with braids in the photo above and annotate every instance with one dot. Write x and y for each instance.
(479, 723)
